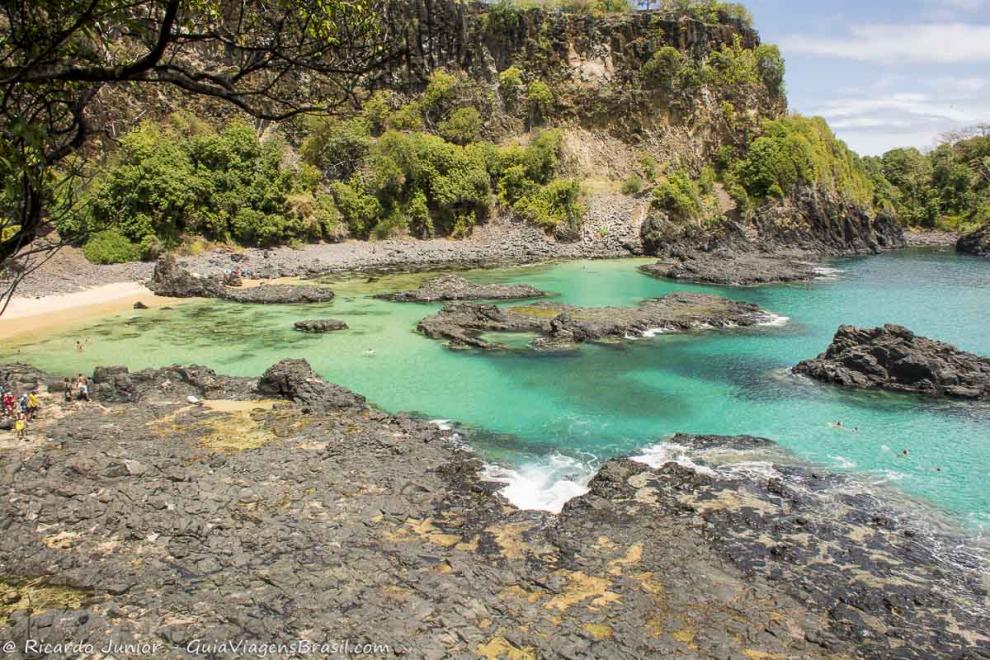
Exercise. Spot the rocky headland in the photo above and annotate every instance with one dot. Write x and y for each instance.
(564, 326)
(445, 288)
(976, 243)
(286, 508)
(894, 358)
(782, 241)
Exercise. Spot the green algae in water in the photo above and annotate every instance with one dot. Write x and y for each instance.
(561, 413)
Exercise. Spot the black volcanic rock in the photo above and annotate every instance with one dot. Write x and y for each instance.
(296, 380)
(445, 288)
(733, 268)
(170, 279)
(894, 358)
(976, 243)
(561, 326)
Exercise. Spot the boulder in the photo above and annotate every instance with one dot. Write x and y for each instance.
(295, 380)
(976, 243)
(894, 358)
(320, 325)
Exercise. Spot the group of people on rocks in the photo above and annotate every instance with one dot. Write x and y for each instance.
(18, 410)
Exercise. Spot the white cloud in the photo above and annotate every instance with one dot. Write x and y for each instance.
(900, 44)
(874, 123)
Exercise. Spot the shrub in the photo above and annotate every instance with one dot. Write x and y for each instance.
(554, 205)
(110, 247)
(358, 209)
(510, 85)
(407, 118)
(770, 68)
(679, 196)
(539, 98)
(664, 70)
(336, 146)
(633, 185)
(462, 126)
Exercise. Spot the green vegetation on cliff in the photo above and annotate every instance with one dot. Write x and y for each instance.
(948, 188)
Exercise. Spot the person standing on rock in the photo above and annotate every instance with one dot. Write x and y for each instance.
(33, 404)
(20, 427)
(83, 386)
(68, 390)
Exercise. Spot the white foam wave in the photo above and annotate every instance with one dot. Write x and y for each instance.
(775, 320)
(826, 273)
(669, 452)
(650, 333)
(843, 463)
(442, 424)
(542, 485)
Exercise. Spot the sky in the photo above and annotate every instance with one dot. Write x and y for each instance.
(884, 73)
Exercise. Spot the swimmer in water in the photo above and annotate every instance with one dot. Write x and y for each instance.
(369, 353)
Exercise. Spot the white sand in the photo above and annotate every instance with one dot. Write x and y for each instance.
(36, 315)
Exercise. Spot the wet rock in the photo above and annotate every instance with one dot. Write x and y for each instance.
(278, 294)
(454, 287)
(140, 305)
(729, 268)
(976, 243)
(296, 380)
(320, 325)
(894, 358)
(561, 326)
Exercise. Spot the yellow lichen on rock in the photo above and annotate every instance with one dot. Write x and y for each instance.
(36, 597)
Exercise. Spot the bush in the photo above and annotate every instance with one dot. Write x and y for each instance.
(462, 126)
(110, 247)
(539, 98)
(510, 85)
(664, 70)
(633, 185)
(679, 196)
(554, 205)
(335, 146)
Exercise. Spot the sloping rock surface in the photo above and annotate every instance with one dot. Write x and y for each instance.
(558, 325)
(447, 288)
(894, 358)
(976, 243)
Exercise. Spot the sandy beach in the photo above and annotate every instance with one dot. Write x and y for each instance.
(33, 315)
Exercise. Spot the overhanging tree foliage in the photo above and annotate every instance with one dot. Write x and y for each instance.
(271, 58)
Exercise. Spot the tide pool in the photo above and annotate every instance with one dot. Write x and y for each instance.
(548, 419)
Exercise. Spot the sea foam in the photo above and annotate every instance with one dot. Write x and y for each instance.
(544, 485)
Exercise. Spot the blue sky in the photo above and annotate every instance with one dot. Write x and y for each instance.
(884, 73)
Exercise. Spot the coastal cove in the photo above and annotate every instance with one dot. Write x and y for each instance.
(545, 421)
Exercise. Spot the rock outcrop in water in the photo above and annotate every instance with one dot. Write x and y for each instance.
(894, 358)
(163, 523)
(170, 279)
(976, 243)
(320, 325)
(447, 288)
(558, 325)
(730, 268)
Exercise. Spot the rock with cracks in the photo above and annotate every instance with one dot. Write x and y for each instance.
(894, 358)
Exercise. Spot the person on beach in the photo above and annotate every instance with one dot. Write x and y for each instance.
(33, 404)
(8, 403)
(83, 386)
(20, 427)
(79, 348)
(68, 390)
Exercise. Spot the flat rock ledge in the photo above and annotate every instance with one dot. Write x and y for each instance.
(894, 358)
(730, 268)
(292, 510)
(446, 288)
(976, 243)
(563, 326)
(169, 279)
(320, 325)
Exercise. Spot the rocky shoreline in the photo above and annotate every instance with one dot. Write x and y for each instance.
(285, 508)
(445, 288)
(727, 268)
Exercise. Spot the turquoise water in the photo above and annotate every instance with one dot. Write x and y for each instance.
(553, 417)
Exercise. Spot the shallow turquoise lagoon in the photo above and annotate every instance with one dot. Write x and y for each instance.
(552, 417)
